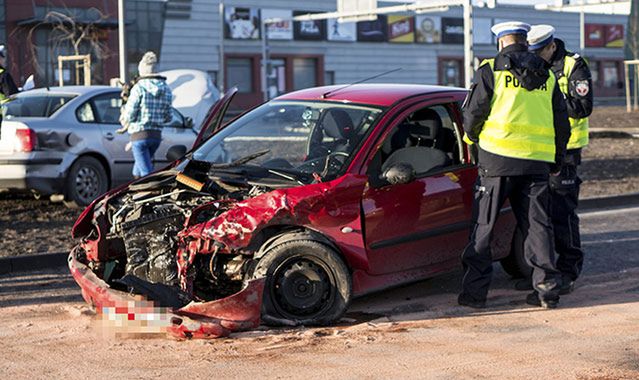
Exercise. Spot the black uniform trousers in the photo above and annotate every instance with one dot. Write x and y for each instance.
(529, 198)
(564, 191)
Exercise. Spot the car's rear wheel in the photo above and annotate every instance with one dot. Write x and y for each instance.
(86, 180)
(515, 263)
(307, 283)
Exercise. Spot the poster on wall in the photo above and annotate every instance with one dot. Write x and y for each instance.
(314, 30)
(282, 30)
(372, 31)
(452, 30)
(242, 23)
(428, 29)
(401, 29)
(614, 36)
(345, 31)
(594, 35)
(481, 31)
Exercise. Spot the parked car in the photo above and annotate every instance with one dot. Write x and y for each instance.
(291, 210)
(62, 140)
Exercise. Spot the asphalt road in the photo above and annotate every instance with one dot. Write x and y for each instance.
(416, 331)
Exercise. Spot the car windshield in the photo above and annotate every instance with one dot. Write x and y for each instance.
(34, 105)
(295, 136)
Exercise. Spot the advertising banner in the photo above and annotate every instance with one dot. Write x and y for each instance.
(401, 29)
(242, 23)
(345, 31)
(594, 35)
(614, 36)
(372, 31)
(282, 30)
(452, 30)
(309, 30)
(428, 29)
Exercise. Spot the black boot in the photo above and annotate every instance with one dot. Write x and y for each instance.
(466, 300)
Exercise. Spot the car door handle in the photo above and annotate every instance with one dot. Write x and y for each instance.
(109, 136)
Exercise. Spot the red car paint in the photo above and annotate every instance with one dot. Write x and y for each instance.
(386, 235)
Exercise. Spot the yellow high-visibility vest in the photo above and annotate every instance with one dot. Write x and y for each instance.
(520, 123)
(578, 127)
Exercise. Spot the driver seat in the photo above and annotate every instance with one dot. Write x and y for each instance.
(338, 125)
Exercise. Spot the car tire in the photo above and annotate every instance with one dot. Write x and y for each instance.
(307, 283)
(87, 179)
(515, 263)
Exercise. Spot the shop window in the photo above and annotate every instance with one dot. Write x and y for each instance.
(276, 77)
(611, 74)
(304, 73)
(240, 74)
(594, 72)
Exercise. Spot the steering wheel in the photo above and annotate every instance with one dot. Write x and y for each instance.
(321, 164)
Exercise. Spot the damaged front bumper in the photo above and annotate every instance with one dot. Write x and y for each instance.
(213, 319)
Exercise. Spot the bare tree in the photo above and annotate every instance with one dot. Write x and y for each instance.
(65, 31)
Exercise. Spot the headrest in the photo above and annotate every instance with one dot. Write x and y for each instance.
(426, 123)
(338, 124)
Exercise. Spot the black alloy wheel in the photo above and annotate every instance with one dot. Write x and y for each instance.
(307, 283)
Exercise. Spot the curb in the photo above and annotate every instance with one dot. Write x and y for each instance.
(32, 262)
(52, 260)
(606, 202)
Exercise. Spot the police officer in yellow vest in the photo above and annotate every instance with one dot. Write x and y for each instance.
(7, 86)
(575, 83)
(516, 115)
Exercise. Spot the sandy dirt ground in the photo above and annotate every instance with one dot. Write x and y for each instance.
(415, 331)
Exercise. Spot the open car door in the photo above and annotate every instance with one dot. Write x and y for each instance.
(213, 120)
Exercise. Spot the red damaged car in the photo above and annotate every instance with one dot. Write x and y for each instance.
(289, 211)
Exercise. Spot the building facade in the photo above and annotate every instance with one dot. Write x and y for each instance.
(226, 42)
(36, 32)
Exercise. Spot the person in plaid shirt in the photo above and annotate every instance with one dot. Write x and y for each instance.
(145, 113)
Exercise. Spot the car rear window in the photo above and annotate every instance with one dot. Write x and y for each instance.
(34, 105)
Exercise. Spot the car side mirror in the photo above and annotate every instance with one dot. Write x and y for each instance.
(399, 173)
(175, 152)
(188, 122)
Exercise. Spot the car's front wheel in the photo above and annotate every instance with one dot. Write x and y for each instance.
(307, 283)
(86, 180)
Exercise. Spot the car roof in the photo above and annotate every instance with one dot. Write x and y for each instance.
(75, 90)
(379, 94)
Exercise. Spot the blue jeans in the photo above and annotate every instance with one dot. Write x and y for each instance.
(143, 151)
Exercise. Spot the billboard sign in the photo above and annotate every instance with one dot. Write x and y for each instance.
(341, 31)
(428, 29)
(282, 30)
(314, 30)
(372, 31)
(401, 29)
(614, 36)
(242, 23)
(452, 30)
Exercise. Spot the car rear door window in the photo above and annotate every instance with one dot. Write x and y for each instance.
(107, 108)
(84, 113)
(35, 105)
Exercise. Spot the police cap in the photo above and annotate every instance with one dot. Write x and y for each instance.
(510, 27)
(540, 36)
